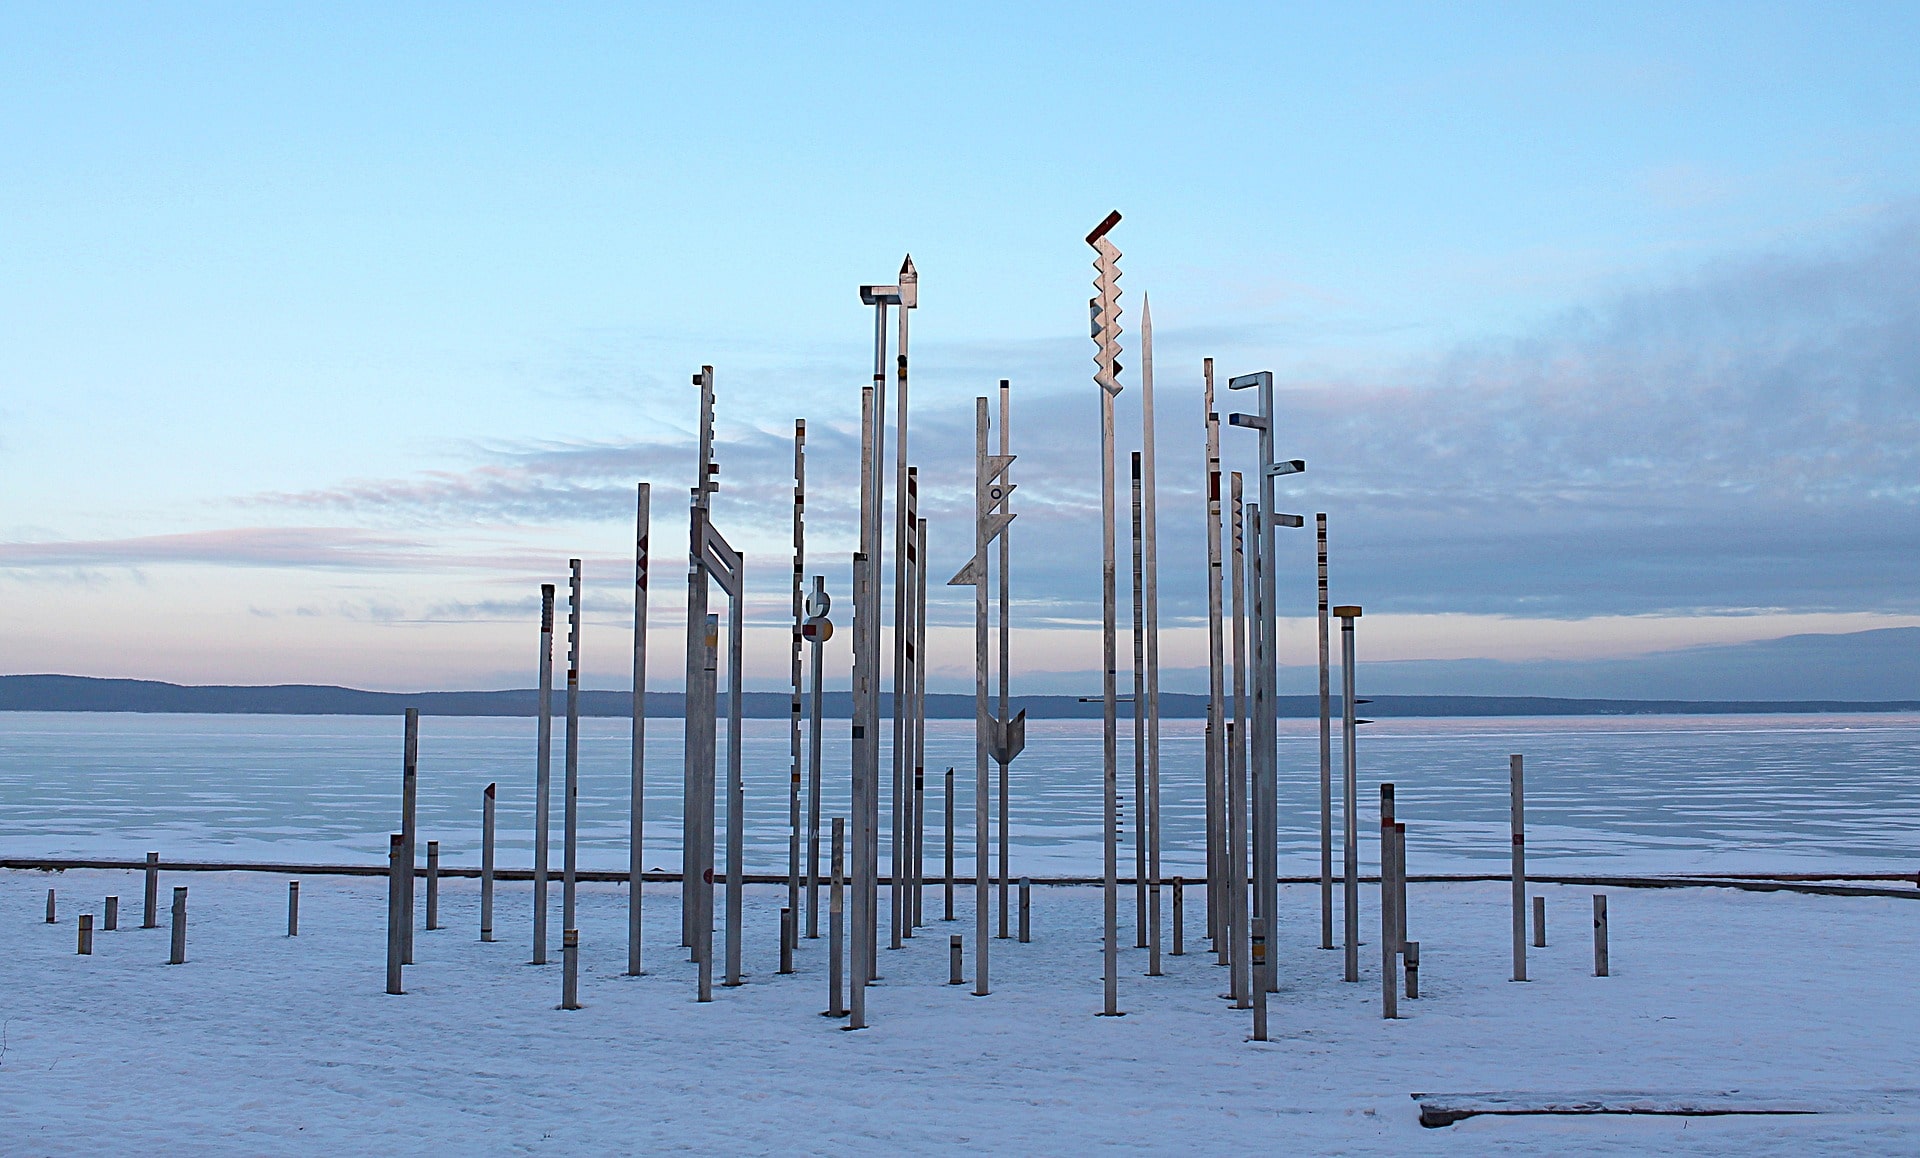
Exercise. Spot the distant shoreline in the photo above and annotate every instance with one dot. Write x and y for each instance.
(62, 693)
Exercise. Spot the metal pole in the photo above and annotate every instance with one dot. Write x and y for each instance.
(293, 910)
(1539, 922)
(982, 808)
(570, 852)
(486, 863)
(736, 776)
(543, 778)
(152, 918)
(817, 614)
(85, 946)
(433, 885)
(637, 753)
(697, 763)
(920, 726)
(409, 794)
(786, 940)
(1006, 560)
(1235, 926)
(113, 913)
(1389, 920)
(1517, 815)
(1400, 883)
(1350, 790)
(865, 724)
(1150, 539)
(1026, 910)
(949, 876)
(902, 621)
(955, 952)
(836, 921)
(178, 950)
(1326, 746)
(1179, 917)
(570, 969)
(1216, 737)
(1139, 717)
(1106, 334)
(794, 658)
(703, 867)
(1263, 814)
(396, 911)
(905, 738)
(1259, 979)
(52, 917)
(1601, 966)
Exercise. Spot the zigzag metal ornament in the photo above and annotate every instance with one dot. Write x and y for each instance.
(1104, 307)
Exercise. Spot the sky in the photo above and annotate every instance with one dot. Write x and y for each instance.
(328, 334)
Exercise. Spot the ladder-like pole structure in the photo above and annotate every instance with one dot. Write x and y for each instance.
(1105, 309)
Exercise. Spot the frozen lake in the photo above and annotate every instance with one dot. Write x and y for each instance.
(1639, 794)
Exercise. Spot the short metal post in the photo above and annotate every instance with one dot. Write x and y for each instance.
(1259, 927)
(433, 884)
(570, 969)
(113, 914)
(293, 908)
(1517, 815)
(1400, 880)
(1410, 952)
(786, 940)
(86, 935)
(486, 864)
(152, 919)
(955, 950)
(1539, 922)
(949, 888)
(836, 921)
(178, 953)
(396, 911)
(51, 918)
(1026, 910)
(1600, 964)
(1179, 917)
(1389, 920)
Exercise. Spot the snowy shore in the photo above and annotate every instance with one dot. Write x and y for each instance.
(263, 1044)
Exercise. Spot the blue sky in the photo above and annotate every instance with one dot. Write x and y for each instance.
(327, 334)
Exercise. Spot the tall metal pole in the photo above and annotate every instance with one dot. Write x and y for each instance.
(543, 778)
(1139, 719)
(1106, 335)
(637, 786)
(409, 795)
(1326, 747)
(818, 630)
(799, 613)
(982, 809)
(1216, 737)
(902, 618)
(865, 764)
(1517, 810)
(486, 862)
(1237, 928)
(1001, 756)
(1265, 815)
(736, 777)
(703, 867)
(920, 727)
(1349, 792)
(907, 710)
(1266, 674)
(570, 853)
(1150, 539)
(698, 750)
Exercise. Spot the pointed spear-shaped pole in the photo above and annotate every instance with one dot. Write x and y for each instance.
(1010, 732)
(1216, 761)
(907, 296)
(1150, 549)
(1105, 309)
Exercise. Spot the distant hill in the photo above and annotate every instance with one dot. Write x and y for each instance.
(64, 693)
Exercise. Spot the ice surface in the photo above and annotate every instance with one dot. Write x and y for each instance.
(264, 1044)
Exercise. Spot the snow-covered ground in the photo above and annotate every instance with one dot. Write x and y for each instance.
(262, 1044)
